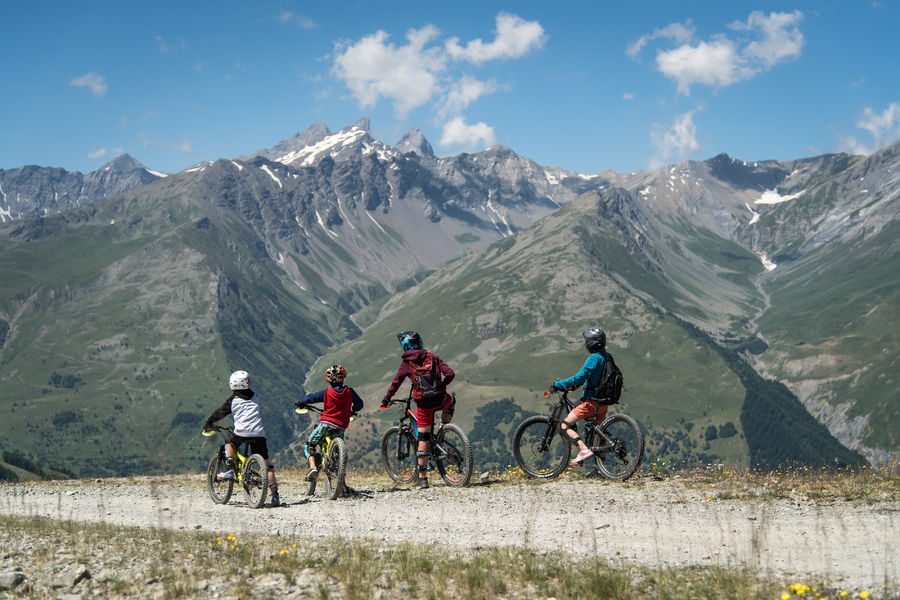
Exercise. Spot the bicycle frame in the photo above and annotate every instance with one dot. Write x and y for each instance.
(240, 458)
(328, 439)
(563, 408)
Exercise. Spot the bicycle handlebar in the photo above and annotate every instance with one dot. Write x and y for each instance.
(302, 410)
(216, 428)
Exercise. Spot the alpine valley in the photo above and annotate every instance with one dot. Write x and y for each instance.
(753, 306)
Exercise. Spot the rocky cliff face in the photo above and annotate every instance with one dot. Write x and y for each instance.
(31, 192)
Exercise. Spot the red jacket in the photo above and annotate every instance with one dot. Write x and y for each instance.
(417, 356)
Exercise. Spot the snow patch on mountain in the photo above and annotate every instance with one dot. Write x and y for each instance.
(773, 197)
(265, 168)
(322, 225)
(159, 174)
(343, 215)
(755, 214)
(308, 155)
(768, 264)
(371, 218)
(239, 166)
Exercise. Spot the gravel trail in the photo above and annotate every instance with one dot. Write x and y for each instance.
(656, 523)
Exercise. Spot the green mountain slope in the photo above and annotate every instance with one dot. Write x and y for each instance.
(509, 320)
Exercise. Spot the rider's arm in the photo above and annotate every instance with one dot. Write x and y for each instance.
(313, 398)
(219, 414)
(578, 379)
(357, 401)
(402, 373)
(447, 374)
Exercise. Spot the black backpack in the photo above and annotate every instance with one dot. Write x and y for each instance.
(426, 380)
(610, 389)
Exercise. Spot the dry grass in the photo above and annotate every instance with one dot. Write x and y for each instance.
(159, 563)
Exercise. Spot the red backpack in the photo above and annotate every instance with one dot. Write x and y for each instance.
(426, 379)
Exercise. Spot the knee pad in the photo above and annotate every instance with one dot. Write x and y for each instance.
(425, 454)
(308, 450)
(564, 426)
(424, 436)
(270, 467)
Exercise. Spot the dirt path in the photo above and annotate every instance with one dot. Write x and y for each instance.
(656, 524)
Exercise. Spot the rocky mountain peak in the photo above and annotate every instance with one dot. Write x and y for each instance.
(414, 141)
(363, 124)
(123, 163)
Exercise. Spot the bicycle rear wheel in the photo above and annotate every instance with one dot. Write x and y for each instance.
(620, 462)
(539, 448)
(335, 465)
(219, 489)
(452, 454)
(255, 480)
(398, 454)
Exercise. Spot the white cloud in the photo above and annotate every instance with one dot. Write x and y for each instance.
(374, 67)
(675, 141)
(167, 47)
(627, 96)
(98, 153)
(715, 64)
(93, 81)
(289, 17)
(464, 92)
(183, 146)
(457, 132)
(762, 41)
(781, 39)
(514, 37)
(679, 32)
(883, 127)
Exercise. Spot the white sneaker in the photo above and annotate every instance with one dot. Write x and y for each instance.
(583, 456)
(229, 474)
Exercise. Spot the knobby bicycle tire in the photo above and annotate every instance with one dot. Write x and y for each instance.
(219, 489)
(336, 468)
(400, 471)
(255, 480)
(623, 461)
(453, 459)
(532, 458)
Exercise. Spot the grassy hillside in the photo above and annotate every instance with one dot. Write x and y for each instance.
(120, 346)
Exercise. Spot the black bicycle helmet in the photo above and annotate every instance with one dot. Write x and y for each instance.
(594, 338)
(409, 340)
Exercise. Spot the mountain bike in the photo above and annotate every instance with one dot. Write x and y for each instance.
(451, 452)
(249, 472)
(332, 461)
(542, 450)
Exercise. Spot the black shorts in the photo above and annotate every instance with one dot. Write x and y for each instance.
(257, 444)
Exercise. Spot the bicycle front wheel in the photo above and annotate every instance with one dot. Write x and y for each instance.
(453, 455)
(335, 465)
(539, 448)
(255, 480)
(624, 457)
(219, 489)
(398, 454)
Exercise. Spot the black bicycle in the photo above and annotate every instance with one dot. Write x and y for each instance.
(451, 452)
(542, 450)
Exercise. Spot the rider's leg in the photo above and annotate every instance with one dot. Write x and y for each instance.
(569, 427)
(423, 453)
(229, 450)
(448, 407)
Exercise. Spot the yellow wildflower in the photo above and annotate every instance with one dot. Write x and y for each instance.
(785, 596)
(799, 588)
(844, 593)
(294, 546)
(284, 551)
(864, 594)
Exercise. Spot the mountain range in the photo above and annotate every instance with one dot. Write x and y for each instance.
(751, 304)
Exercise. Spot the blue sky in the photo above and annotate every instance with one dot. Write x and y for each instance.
(581, 85)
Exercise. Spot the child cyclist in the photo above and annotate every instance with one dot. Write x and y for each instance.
(340, 403)
(243, 406)
(590, 375)
(422, 368)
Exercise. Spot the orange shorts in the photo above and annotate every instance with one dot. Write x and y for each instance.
(590, 409)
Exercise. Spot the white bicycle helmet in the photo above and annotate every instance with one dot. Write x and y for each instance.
(239, 380)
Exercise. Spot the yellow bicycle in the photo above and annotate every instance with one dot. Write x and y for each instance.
(249, 472)
(332, 462)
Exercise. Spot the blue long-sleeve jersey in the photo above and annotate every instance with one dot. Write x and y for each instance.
(590, 376)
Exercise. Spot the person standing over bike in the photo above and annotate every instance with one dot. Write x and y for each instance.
(340, 403)
(429, 376)
(243, 406)
(591, 376)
